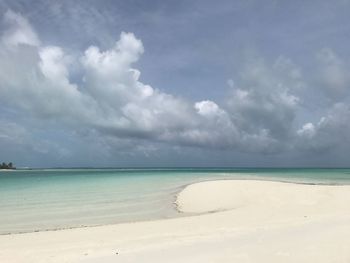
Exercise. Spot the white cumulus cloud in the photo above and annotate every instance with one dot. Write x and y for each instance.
(108, 99)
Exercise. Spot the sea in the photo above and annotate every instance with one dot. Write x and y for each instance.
(51, 199)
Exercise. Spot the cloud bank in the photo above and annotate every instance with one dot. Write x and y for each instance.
(99, 92)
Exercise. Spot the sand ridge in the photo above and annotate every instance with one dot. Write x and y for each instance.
(258, 221)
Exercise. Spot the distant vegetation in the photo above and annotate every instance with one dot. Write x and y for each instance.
(7, 166)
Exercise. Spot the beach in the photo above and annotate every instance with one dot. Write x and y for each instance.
(174, 131)
(225, 221)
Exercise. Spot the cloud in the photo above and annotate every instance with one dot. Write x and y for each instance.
(330, 132)
(263, 104)
(22, 142)
(208, 108)
(308, 130)
(107, 101)
(18, 31)
(333, 74)
(12, 133)
(109, 98)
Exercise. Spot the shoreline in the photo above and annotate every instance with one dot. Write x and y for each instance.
(257, 221)
(174, 203)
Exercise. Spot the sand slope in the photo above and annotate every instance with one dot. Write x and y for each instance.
(259, 221)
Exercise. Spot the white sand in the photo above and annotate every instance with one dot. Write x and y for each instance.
(259, 221)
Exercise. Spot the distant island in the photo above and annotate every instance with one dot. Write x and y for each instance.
(7, 166)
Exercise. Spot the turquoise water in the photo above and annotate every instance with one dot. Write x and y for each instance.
(36, 200)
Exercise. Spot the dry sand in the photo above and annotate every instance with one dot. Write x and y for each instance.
(249, 221)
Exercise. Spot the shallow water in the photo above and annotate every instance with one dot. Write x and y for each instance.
(35, 200)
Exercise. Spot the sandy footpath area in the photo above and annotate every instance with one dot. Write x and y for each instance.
(248, 221)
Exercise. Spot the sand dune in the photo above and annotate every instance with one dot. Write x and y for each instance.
(248, 221)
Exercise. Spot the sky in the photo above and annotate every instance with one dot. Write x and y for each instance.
(175, 83)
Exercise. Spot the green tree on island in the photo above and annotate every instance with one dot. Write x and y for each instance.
(7, 166)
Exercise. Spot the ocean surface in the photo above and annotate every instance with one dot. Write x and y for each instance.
(49, 199)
